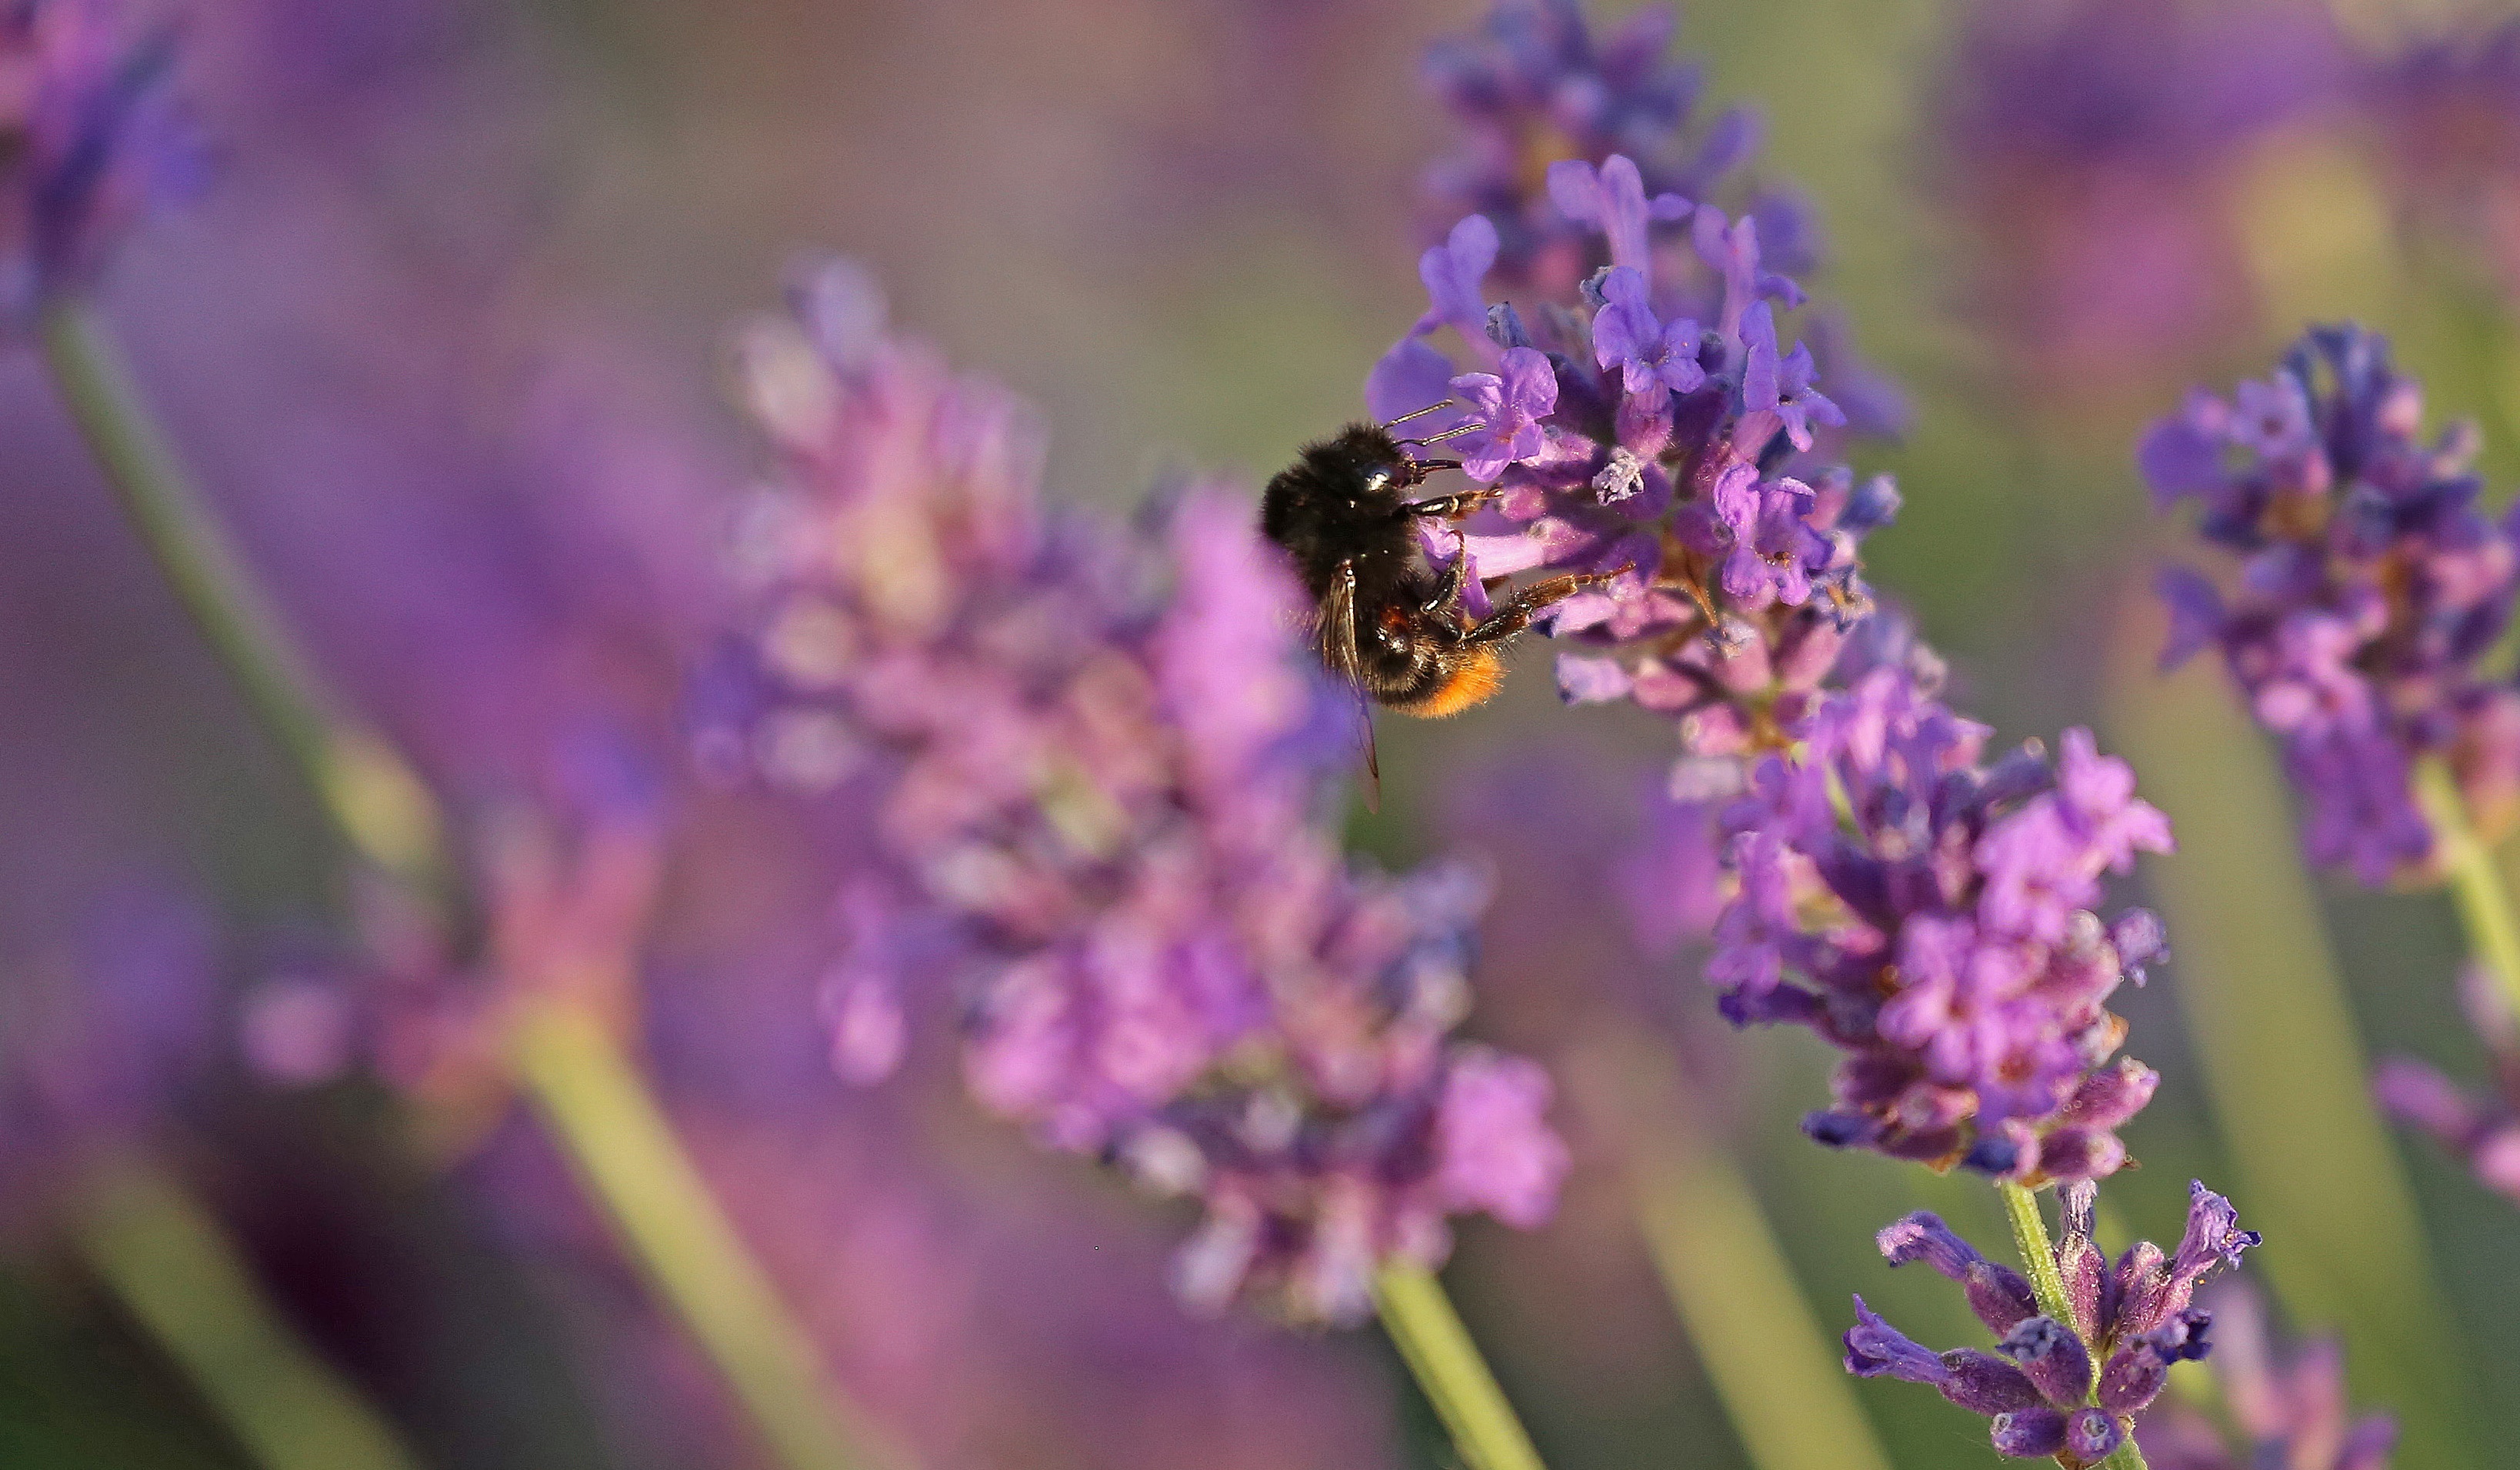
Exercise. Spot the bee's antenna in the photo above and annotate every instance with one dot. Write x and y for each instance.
(1420, 414)
(1449, 433)
(1431, 465)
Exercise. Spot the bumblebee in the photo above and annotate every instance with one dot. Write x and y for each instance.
(1387, 623)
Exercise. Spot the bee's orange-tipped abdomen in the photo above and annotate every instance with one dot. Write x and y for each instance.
(1480, 675)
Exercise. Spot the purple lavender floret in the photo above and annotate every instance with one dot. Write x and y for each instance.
(2063, 1388)
(2371, 588)
(90, 140)
(2290, 1407)
(1934, 916)
(1094, 761)
(2482, 1129)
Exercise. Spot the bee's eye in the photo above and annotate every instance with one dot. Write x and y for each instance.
(1375, 479)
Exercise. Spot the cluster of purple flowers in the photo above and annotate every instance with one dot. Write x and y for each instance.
(2291, 1407)
(1933, 915)
(1651, 426)
(1092, 760)
(2484, 1131)
(90, 137)
(2371, 589)
(2067, 1390)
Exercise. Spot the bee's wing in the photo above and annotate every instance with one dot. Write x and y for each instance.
(1340, 652)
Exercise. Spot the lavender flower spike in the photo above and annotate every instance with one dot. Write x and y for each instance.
(1088, 762)
(90, 139)
(1971, 1004)
(2067, 1390)
(2370, 586)
(2483, 1130)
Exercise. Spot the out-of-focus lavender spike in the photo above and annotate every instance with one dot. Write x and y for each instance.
(2289, 1408)
(92, 138)
(2370, 589)
(2093, 147)
(1092, 759)
(2482, 1127)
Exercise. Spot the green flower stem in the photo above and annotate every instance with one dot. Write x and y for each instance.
(374, 801)
(2047, 1283)
(2030, 1237)
(1765, 1352)
(626, 1155)
(1438, 1348)
(182, 1279)
(1773, 1366)
(2475, 883)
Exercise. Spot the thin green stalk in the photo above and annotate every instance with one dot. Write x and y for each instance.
(1438, 1350)
(2047, 1283)
(1765, 1352)
(183, 1280)
(1772, 1365)
(2030, 1237)
(2475, 882)
(374, 801)
(627, 1156)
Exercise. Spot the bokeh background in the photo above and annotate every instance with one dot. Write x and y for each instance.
(445, 336)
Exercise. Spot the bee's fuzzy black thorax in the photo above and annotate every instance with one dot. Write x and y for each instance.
(1344, 500)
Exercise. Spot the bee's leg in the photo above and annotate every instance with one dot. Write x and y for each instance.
(1448, 592)
(1452, 507)
(1518, 610)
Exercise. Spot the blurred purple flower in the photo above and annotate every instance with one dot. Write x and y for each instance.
(2291, 1409)
(90, 139)
(2064, 1389)
(2092, 146)
(2484, 1131)
(2446, 111)
(1092, 759)
(2371, 588)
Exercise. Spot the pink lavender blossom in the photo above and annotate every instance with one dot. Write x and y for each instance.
(2067, 1390)
(2483, 1130)
(2369, 590)
(91, 138)
(1092, 760)
(2291, 1408)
